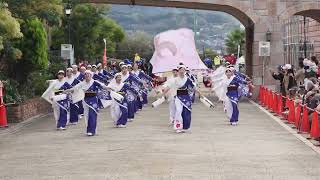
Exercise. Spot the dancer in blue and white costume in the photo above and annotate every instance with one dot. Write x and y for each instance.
(194, 80)
(79, 77)
(232, 84)
(183, 101)
(119, 109)
(128, 78)
(60, 102)
(103, 72)
(73, 117)
(138, 87)
(147, 82)
(93, 100)
(171, 94)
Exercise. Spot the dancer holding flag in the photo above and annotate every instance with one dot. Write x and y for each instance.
(183, 101)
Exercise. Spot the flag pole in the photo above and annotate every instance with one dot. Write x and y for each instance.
(105, 53)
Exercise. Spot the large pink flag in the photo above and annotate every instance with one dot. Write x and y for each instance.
(173, 47)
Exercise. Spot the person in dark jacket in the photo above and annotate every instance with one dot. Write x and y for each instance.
(279, 76)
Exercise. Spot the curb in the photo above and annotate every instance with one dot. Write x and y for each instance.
(18, 126)
(285, 126)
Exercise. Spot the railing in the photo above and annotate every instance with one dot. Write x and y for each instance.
(298, 114)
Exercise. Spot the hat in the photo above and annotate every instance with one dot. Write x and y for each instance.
(94, 66)
(129, 65)
(121, 63)
(175, 69)
(89, 66)
(69, 69)
(74, 66)
(82, 67)
(99, 65)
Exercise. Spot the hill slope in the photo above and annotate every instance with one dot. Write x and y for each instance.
(212, 26)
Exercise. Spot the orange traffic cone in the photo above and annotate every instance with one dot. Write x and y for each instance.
(305, 125)
(280, 104)
(315, 131)
(291, 115)
(275, 102)
(3, 116)
(298, 116)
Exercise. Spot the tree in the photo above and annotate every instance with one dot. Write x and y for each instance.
(138, 42)
(88, 27)
(49, 11)
(9, 31)
(210, 53)
(34, 48)
(235, 38)
(9, 26)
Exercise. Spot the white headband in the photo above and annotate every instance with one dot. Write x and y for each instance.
(181, 66)
(88, 72)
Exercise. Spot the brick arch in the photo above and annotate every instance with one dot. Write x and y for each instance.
(309, 9)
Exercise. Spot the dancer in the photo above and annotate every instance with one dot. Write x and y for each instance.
(183, 101)
(171, 95)
(92, 101)
(119, 109)
(60, 102)
(127, 77)
(73, 117)
(147, 82)
(231, 85)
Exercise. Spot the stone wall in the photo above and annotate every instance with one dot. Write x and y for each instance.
(31, 108)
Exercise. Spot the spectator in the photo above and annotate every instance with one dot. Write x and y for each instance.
(279, 77)
(299, 75)
(289, 82)
(310, 67)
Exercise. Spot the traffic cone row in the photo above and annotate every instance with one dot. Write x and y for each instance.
(3, 111)
(299, 116)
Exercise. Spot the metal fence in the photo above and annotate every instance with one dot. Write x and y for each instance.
(301, 38)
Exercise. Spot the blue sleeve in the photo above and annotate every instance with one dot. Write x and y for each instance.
(132, 89)
(144, 75)
(133, 78)
(240, 80)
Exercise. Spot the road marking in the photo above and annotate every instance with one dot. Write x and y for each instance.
(278, 120)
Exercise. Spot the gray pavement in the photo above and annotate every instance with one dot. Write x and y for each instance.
(148, 149)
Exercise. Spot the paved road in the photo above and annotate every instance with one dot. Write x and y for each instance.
(258, 149)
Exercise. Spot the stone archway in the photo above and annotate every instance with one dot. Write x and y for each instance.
(258, 16)
(240, 10)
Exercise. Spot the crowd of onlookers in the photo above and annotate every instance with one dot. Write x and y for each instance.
(301, 84)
